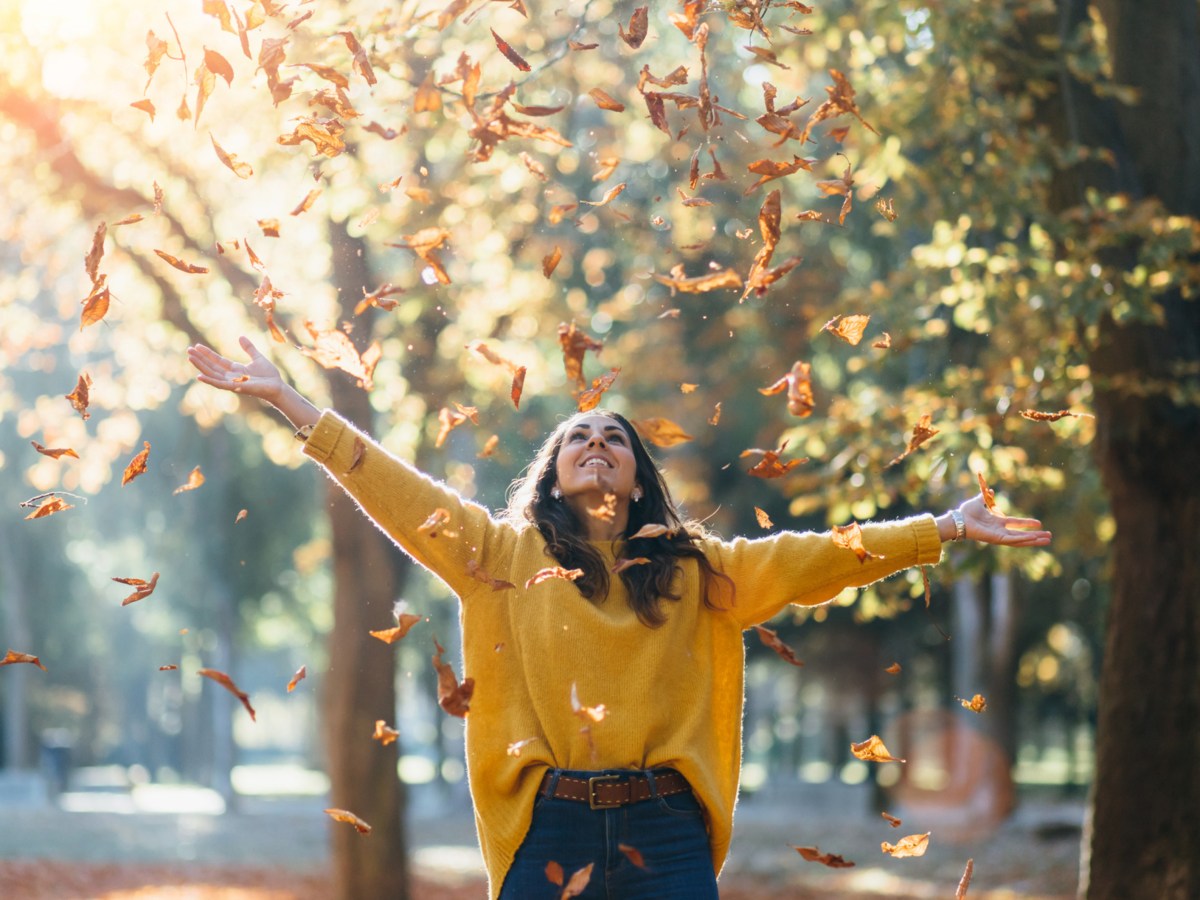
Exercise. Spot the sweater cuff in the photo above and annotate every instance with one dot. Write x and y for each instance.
(323, 441)
(929, 542)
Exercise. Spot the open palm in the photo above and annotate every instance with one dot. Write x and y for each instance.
(257, 378)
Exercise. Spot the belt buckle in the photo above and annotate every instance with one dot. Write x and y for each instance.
(592, 788)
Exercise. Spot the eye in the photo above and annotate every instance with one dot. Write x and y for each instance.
(616, 438)
(576, 435)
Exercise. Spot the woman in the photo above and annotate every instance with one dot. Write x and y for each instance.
(605, 727)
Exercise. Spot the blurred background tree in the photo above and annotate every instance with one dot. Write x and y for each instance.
(1020, 229)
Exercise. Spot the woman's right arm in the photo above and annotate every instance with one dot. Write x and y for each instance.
(395, 495)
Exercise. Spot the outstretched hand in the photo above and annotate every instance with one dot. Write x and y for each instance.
(991, 528)
(257, 378)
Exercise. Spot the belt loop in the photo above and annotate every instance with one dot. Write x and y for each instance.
(552, 783)
(653, 788)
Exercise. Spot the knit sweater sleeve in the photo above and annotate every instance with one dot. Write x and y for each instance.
(400, 499)
(807, 568)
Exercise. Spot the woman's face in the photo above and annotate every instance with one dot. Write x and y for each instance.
(595, 459)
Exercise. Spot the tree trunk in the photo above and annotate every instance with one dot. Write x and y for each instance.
(360, 684)
(18, 635)
(1145, 822)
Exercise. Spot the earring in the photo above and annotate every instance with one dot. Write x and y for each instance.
(636, 495)
(556, 492)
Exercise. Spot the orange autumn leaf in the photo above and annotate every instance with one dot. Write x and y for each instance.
(343, 815)
(715, 418)
(638, 27)
(976, 704)
(242, 513)
(91, 262)
(518, 384)
(537, 111)
(301, 674)
(886, 209)
(509, 53)
(771, 639)
(324, 134)
(965, 882)
(839, 102)
(447, 422)
(700, 284)
(384, 734)
(137, 465)
(798, 384)
(49, 507)
(606, 511)
(606, 101)
(552, 572)
(586, 713)
(479, 573)
(770, 466)
(841, 187)
(550, 261)
(873, 750)
(195, 479)
(489, 447)
(626, 563)
(832, 860)
(95, 304)
(608, 198)
(360, 63)
(769, 170)
(633, 855)
(54, 453)
(425, 244)
(1034, 416)
(661, 432)
(180, 264)
(141, 588)
(453, 697)
(218, 65)
(436, 524)
(578, 882)
(893, 669)
(226, 682)
(332, 349)
(913, 845)
(391, 635)
(884, 342)
(850, 537)
(892, 820)
(306, 204)
(590, 399)
(652, 531)
(764, 521)
(922, 432)
(989, 496)
(848, 328)
(12, 657)
(270, 227)
(169, 668)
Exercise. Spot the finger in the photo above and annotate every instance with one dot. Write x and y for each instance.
(209, 367)
(248, 345)
(1014, 522)
(200, 353)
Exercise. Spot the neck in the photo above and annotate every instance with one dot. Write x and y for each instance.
(600, 529)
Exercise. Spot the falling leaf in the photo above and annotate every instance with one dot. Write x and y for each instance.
(638, 25)
(12, 656)
(770, 466)
(842, 187)
(554, 873)
(850, 537)
(145, 106)
(479, 573)
(384, 734)
(357, 455)
(661, 432)
(218, 65)
(226, 682)
(242, 513)
(587, 713)
(131, 219)
(769, 170)
(652, 531)
(391, 635)
(764, 521)
(553, 572)
(848, 328)
(833, 860)
(324, 134)
(550, 261)
(892, 820)
(180, 264)
(509, 53)
(195, 479)
(886, 209)
(168, 668)
(489, 447)
(606, 511)
(989, 496)
(141, 588)
(605, 101)
(137, 465)
(700, 284)
(55, 453)
(608, 198)
(633, 855)
(884, 342)
(626, 563)
(332, 349)
(91, 262)
(839, 102)
(771, 639)
(922, 432)
(590, 399)
(342, 815)
(1035, 416)
(873, 750)
(715, 418)
(965, 881)
(514, 749)
(976, 704)
(300, 675)
(206, 83)
(424, 244)
(913, 845)
(893, 669)
(578, 882)
(575, 344)
(49, 507)
(95, 304)
(306, 204)
(798, 384)
(361, 64)
(270, 227)
(558, 212)
(453, 697)
(156, 49)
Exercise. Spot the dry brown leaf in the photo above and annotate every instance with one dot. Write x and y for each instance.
(892, 820)
(384, 734)
(551, 260)
(300, 675)
(590, 399)
(49, 507)
(832, 860)
(976, 704)
(390, 635)
(343, 815)
(849, 328)
(661, 432)
(552, 572)
(638, 26)
(771, 639)
(54, 453)
(884, 342)
(605, 101)
(1034, 416)
(893, 669)
(700, 284)
(850, 537)
(195, 479)
(913, 845)
(625, 563)
(180, 264)
(922, 432)
(965, 881)
(633, 855)
(873, 750)
(226, 682)
(770, 466)
(489, 447)
(12, 657)
(453, 697)
(509, 53)
(652, 531)
(479, 573)
(764, 521)
(137, 465)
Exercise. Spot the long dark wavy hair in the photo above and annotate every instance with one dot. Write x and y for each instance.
(647, 584)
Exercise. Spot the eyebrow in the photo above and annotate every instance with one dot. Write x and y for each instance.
(586, 426)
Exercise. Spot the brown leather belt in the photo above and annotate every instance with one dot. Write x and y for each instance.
(609, 791)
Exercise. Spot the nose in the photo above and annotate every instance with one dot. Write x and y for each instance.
(597, 442)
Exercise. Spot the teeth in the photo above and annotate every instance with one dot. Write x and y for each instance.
(595, 461)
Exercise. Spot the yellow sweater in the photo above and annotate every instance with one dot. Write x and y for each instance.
(674, 694)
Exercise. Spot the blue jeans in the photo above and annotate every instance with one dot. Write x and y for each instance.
(668, 832)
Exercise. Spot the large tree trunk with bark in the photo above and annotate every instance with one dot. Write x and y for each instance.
(360, 684)
(1145, 822)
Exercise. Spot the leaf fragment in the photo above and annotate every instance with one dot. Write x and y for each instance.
(384, 734)
(226, 682)
(12, 657)
(771, 639)
(179, 264)
(344, 815)
(910, 846)
(54, 453)
(141, 588)
(638, 26)
(137, 465)
(832, 860)
(195, 479)
(552, 572)
(300, 675)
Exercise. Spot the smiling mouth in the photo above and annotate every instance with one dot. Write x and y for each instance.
(595, 462)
